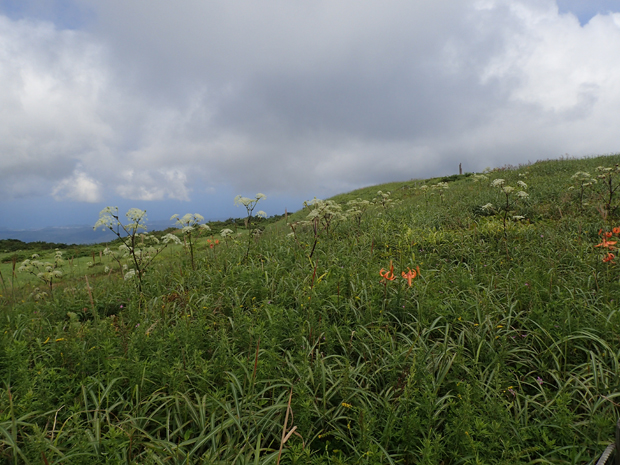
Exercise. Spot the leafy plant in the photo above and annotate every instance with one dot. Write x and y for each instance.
(188, 224)
(250, 205)
(47, 272)
(511, 197)
(583, 180)
(608, 176)
(141, 247)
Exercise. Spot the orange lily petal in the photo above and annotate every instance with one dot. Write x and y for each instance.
(389, 275)
(410, 274)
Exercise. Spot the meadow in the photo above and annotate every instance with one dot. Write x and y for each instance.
(469, 319)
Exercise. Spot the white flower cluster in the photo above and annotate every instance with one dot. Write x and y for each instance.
(322, 213)
(479, 177)
(45, 271)
(109, 219)
(357, 208)
(189, 222)
(584, 178)
(226, 232)
(384, 199)
(507, 190)
(248, 202)
(606, 171)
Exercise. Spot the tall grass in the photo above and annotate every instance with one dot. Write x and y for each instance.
(504, 350)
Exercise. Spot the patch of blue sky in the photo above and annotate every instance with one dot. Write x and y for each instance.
(64, 14)
(585, 10)
(41, 212)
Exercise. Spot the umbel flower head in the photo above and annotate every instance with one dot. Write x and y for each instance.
(248, 202)
(109, 219)
(190, 221)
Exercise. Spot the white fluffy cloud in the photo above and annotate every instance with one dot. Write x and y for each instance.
(158, 185)
(78, 187)
(156, 103)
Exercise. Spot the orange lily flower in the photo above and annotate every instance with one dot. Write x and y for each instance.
(616, 230)
(411, 274)
(607, 235)
(606, 244)
(609, 258)
(388, 275)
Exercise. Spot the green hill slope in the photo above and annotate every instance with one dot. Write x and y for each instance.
(459, 324)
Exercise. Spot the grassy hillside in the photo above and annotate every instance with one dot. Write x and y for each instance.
(493, 340)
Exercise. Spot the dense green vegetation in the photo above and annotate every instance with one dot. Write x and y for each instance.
(308, 349)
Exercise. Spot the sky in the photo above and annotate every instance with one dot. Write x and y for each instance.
(177, 107)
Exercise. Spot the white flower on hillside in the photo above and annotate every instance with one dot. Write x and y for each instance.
(245, 201)
(226, 232)
(170, 238)
(521, 184)
(498, 182)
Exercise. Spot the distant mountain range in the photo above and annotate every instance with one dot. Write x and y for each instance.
(71, 234)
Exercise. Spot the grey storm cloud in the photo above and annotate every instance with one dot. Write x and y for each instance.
(154, 101)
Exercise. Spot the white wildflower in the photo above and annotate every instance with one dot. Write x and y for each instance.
(245, 201)
(170, 238)
(130, 274)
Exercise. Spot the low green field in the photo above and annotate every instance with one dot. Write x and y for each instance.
(459, 324)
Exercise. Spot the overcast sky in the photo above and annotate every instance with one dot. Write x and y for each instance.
(176, 107)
